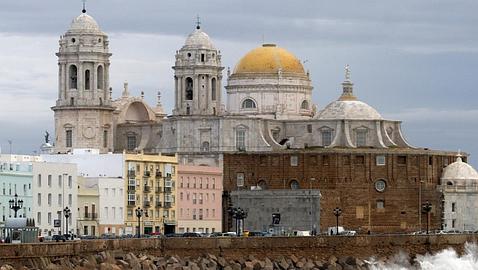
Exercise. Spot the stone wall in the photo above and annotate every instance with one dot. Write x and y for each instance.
(321, 247)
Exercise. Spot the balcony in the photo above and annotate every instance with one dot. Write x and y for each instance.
(157, 190)
(147, 188)
(158, 174)
(146, 204)
(131, 203)
(132, 188)
(131, 174)
(146, 174)
(168, 189)
(159, 204)
(91, 216)
(167, 204)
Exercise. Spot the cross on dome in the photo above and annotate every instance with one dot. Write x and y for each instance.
(347, 72)
(198, 22)
(84, 6)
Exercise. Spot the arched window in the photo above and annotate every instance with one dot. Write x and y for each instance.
(294, 184)
(213, 89)
(361, 137)
(205, 147)
(241, 139)
(262, 184)
(87, 79)
(326, 137)
(99, 82)
(73, 77)
(304, 105)
(248, 104)
(189, 88)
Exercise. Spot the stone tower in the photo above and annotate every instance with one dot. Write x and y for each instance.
(83, 110)
(198, 75)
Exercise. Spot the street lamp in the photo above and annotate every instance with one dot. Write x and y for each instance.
(239, 215)
(15, 204)
(67, 213)
(139, 214)
(426, 208)
(337, 213)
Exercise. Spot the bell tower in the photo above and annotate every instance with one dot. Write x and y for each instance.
(83, 110)
(198, 76)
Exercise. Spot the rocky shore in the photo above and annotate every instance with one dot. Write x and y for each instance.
(120, 261)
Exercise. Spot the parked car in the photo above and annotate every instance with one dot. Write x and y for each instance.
(191, 234)
(58, 238)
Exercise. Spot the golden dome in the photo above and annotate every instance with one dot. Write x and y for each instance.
(269, 59)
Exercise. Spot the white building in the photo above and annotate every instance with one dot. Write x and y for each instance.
(459, 184)
(105, 171)
(54, 188)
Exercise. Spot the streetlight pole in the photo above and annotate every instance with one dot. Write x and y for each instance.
(426, 208)
(67, 213)
(139, 214)
(15, 204)
(337, 213)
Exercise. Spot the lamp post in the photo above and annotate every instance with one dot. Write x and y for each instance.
(239, 215)
(67, 213)
(426, 208)
(337, 213)
(15, 204)
(139, 214)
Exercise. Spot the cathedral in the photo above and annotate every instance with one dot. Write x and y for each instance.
(268, 104)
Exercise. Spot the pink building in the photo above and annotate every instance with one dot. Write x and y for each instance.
(199, 199)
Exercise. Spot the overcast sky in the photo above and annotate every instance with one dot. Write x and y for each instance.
(414, 61)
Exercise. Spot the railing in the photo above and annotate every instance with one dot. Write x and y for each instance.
(168, 189)
(147, 188)
(91, 216)
(147, 204)
(146, 174)
(157, 190)
(131, 188)
(131, 174)
(167, 204)
(158, 174)
(158, 204)
(131, 203)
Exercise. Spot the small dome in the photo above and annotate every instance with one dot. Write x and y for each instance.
(199, 39)
(269, 59)
(459, 170)
(84, 22)
(349, 109)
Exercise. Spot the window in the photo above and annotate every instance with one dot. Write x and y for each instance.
(240, 179)
(294, 161)
(99, 82)
(200, 198)
(380, 160)
(181, 196)
(69, 138)
(304, 105)
(453, 207)
(380, 204)
(131, 197)
(359, 159)
(453, 223)
(73, 77)
(39, 218)
(380, 185)
(70, 181)
(430, 160)
(361, 137)
(106, 212)
(87, 79)
(325, 160)
(262, 184)
(39, 181)
(294, 184)
(70, 199)
(131, 142)
(105, 138)
(49, 218)
(240, 139)
(213, 212)
(194, 214)
(39, 199)
(49, 199)
(59, 180)
(213, 197)
(202, 59)
(49, 180)
(326, 137)
(213, 89)
(60, 200)
(189, 89)
(205, 147)
(402, 160)
(194, 198)
(309, 128)
(248, 104)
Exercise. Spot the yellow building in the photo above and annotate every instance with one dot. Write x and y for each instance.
(151, 190)
(88, 206)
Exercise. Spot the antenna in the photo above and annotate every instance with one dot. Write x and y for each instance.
(198, 22)
(84, 6)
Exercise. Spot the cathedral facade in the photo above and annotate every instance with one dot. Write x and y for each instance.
(268, 105)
